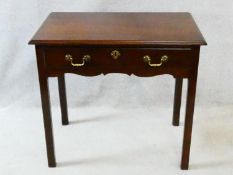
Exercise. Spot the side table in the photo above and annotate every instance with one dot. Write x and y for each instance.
(143, 44)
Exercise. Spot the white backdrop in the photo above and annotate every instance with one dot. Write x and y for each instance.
(104, 107)
(18, 71)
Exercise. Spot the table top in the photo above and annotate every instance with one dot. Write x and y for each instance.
(104, 28)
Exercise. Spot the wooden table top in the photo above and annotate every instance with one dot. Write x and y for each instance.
(103, 28)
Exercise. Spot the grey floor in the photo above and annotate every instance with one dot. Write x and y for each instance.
(105, 140)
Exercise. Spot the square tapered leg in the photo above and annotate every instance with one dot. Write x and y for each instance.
(177, 101)
(63, 100)
(188, 122)
(45, 100)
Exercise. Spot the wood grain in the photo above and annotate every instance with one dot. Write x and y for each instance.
(79, 28)
(180, 61)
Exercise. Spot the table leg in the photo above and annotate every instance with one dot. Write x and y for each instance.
(63, 101)
(44, 90)
(47, 121)
(177, 101)
(188, 122)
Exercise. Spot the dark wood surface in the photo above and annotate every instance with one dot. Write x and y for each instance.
(119, 29)
(63, 101)
(180, 61)
(134, 35)
(177, 101)
(46, 109)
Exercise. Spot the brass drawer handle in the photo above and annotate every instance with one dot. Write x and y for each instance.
(85, 58)
(163, 59)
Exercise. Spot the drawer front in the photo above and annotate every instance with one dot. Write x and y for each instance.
(138, 61)
(99, 58)
(156, 61)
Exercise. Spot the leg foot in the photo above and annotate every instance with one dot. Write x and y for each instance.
(52, 164)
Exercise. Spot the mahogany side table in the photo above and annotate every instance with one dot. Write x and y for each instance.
(143, 44)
